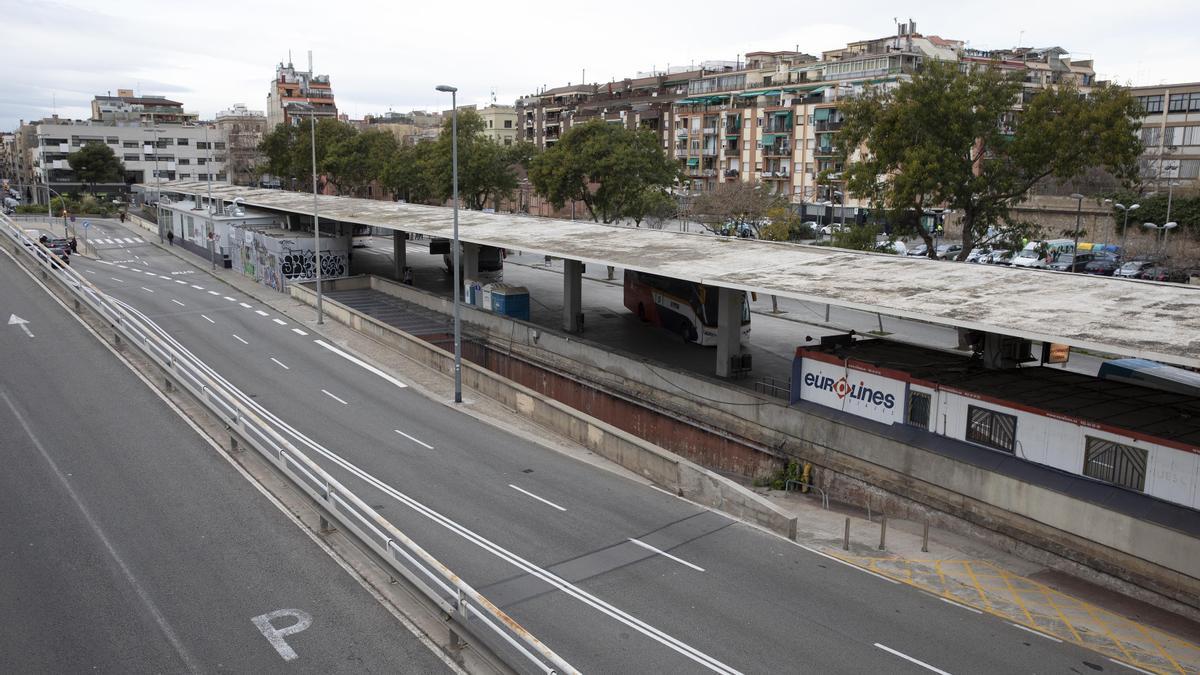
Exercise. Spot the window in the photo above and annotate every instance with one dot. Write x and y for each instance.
(132, 157)
(918, 409)
(508, 124)
(181, 141)
(184, 161)
(991, 428)
(1151, 136)
(489, 124)
(191, 227)
(1114, 463)
(201, 160)
(1188, 168)
(1178, 103)
(201, 145)
(130, 144)
(219, 145)
(1194, 101)
(1151, 104)
(112, 140)
(1191, 136)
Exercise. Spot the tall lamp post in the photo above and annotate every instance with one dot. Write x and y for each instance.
(1164, 228)
(1078, 214)
(453, 91)
(312, 141)
(1125, 227)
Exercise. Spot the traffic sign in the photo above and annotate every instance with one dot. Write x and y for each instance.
(87, 224)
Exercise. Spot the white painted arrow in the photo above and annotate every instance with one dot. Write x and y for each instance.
(15, 320)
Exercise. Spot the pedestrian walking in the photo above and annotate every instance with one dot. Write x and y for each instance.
(171, 237)
(74, 245)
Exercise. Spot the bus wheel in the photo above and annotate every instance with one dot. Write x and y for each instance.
(641, 311)
(685, 331)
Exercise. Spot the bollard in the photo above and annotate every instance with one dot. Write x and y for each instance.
(882, 530)
(846, 537)
(233, 444)
(167, 383)
(76, 305)
(925, 538)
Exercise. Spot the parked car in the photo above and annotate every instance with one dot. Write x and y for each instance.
(896, 247)
(919, 250)
(1067, 262)
(829, 229)
(1000, 257)
(979, 254)
(1133, 269)
(1164, 273)
(948, 251)
(1102, 266)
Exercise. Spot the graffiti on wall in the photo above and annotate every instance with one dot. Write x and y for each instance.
(300, 265)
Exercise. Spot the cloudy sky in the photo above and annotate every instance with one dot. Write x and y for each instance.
(382, 56)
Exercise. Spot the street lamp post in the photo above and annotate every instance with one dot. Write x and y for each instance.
(312, 141)
(1078, 214)
(212, 216)
(1164, 228)
(1125, 227)
(453, 91)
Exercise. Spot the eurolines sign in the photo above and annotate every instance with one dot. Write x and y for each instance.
(853, 391)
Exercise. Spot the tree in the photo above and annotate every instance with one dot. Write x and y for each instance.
(353, 161)
(96, 163)
(605, 166)
(406, 174)
(653, 203)
(951, 138)
(485, 168)
(734, 205)
(288, 149)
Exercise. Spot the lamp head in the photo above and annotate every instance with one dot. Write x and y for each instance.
(1170, 225)
(1135, 207)
(1150, 225)
(1121, 206)
(1076, 195)
(446, 88)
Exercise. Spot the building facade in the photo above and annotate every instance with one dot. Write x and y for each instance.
(242, 130)
(1170, 136)
(500, 123)
(293, 90)
(125, 108)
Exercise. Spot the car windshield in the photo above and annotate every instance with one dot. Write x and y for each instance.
(1029, 253)
(1131, 265)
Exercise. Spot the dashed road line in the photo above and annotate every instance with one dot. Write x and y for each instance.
(279, 363)
(661, 552)
(414, 440)
(245, 305)
(281, 322)
(326, 392)
(260, 312)
(910, 659)
(199, 288)
(239, 339)
(297, 331)
(948, 601)
(205, 317)
(178, 302)
(147, 289)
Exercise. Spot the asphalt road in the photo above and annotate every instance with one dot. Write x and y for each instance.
(615, 576)
(131, 545)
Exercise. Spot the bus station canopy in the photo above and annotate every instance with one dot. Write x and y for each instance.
(1153, 320)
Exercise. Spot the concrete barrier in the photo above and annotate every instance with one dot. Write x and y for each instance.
(657, 465)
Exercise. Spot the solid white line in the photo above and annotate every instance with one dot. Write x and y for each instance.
(281, 322)
(959, 605)
(199, 288)
(147, 289)
(1035, 632)
(362, 364)
(850, 565)
(297, 331)
(213, 293)
(244, 305)
(540, 499)
(418, 442)
(910, 659)
(681, 561)
(1122, 663)
(207, 319)
(116, 279)
(334, 397)
(239, 339)
(279, 363)
(178, 302)
(260, 312)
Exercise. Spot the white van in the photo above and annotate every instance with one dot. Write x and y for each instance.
(1040, 254)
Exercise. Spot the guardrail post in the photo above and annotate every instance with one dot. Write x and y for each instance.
(167, 383)
(846, 537)
(925, 538)
(882, 530)
(233, 444)
(76, 305)
(326, 526)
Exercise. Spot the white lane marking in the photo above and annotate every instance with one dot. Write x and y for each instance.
(116, 279)
(213, 293)
(334, 397)
(229, 298)
(681, 561)
(297, 331)
(1122, 663)
(1035, 632)
(850, 565)
(485, 544)
(281, 322)
(181, 281)
(163, 276)
(362, 364)
(910, 659)
(540, 499)
(123, 267)
(260, 312)
(145, 263)
(959, 605)
(178, 302)
(129, 240)
(275, 635)
(244, 305)
(104, 262)
(147, 289)
(414, 440)
(239, 339)
(147, 600)
(279, 363)
(139, 240)
(199, 288)
(207, 319)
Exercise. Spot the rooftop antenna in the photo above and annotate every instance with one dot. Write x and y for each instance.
(289, 58)
(310, 70)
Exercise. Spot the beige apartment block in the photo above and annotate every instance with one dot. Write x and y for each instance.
(1170, 136)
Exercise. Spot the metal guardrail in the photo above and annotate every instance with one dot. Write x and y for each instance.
(470, 610)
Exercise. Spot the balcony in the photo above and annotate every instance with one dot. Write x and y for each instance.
(829, 125)
(733, 130)
(777, 129)
(709, 131)
(709, 151)
(823, 150)
(681, 152)
(777, 150)
(731, 173)
(681, 133)
(708, 173)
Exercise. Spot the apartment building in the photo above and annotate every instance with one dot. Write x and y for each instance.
(242, 129)
(125, 108)
(1170, 135)
(292, 91)
(500, 123)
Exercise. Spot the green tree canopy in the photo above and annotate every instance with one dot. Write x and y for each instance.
(406, 173)
(954, 139)
(485, 168)
(288, 149)
(605, 166)
(355, 159)
(96, 163)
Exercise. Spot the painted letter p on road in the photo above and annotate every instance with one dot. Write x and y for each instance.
(275, 635)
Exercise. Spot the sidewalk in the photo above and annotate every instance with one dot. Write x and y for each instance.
(956, 569)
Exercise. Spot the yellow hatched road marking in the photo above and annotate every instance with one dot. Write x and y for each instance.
(1154, 642)
(1017, 597)
(975, 580)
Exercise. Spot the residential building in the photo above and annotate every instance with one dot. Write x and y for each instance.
(291, 89)
(242, 130)
(500, 123)
(1170, 135)
(125, 108)
(408, 128)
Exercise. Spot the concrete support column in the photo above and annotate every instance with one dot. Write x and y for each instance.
(470, 263)
(572, 296)
(399, 253)
(729, 329)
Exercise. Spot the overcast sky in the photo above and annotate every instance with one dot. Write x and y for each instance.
(383, 56)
